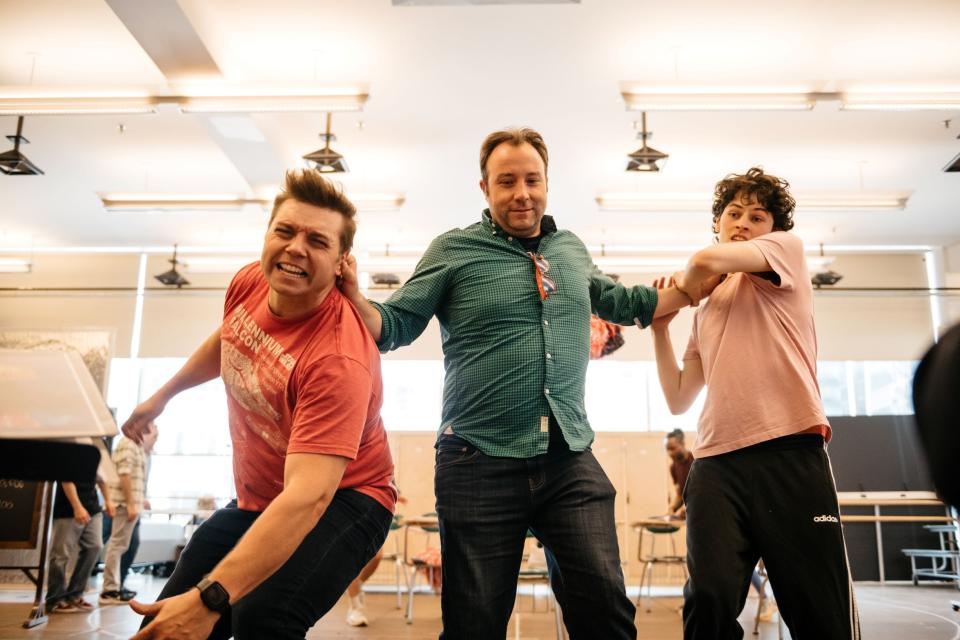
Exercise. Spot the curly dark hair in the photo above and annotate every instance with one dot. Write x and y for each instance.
(770, 191)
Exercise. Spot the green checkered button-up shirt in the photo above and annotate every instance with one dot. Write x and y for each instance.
(510, 358)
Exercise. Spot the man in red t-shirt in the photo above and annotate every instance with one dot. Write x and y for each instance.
(313, 472)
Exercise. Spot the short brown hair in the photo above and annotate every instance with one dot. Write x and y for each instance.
(516, 137)
(770, 191)
(309, 187)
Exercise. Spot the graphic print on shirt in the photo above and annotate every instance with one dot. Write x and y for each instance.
(255, 370)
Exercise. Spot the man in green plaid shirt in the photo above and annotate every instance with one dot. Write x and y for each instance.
(514, 296)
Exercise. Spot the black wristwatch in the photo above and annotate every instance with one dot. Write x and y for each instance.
(214, 596)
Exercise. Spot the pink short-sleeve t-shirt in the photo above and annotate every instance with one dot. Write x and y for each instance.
(756, 340)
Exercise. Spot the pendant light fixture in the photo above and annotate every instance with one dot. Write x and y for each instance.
(645, 158)
(826, 277)
(172, 278)
(14, 163)
(326, 160)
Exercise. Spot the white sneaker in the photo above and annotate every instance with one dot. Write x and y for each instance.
(356, 617)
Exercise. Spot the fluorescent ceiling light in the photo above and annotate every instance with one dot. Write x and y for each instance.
(215, 264)
(653, 202)
(14, 101)
(15, 265)
(878, 248)
(639, 264)
(676, 203)
(643, 99)
(78, 105)
(637, 100)
(853, 202)
(891, 101)
(134, 202)
(161, 202)
(268, 103)
(377, 201)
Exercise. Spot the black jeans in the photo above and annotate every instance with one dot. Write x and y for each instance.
(485, 506)
(774, 500)
(290, 601)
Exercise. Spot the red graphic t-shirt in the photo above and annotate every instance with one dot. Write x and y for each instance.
(310, 385)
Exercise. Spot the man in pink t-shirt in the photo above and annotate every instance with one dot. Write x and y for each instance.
(313, 472)
(761, 483)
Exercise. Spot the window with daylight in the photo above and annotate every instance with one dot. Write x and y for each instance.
(193, 454)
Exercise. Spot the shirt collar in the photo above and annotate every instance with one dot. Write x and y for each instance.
(547, 225)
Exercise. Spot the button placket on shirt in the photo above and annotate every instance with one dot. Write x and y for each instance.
(548, 346)
(547, 333)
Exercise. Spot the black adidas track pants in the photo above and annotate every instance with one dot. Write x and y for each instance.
(776, 501)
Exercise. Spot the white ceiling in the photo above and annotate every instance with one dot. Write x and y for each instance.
(441, 77)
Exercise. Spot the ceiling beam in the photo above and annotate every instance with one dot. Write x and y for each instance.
(166, 35)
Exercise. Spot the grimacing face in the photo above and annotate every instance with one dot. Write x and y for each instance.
(744, 218)
(301, 256)
(516, 189)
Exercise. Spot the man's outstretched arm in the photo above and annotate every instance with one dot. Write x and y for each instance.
(401, 319)
(203, 365)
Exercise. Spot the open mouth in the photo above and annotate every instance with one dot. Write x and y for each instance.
(738, 236)
(291, 270)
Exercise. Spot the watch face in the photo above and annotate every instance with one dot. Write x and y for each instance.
(214, 596)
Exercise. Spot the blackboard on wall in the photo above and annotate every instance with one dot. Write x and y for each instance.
(878, 453)
(881, 453)
(21, 503)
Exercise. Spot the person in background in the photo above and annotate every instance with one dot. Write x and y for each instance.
(356, 612)
(130, 459)
(357, 608)
(680, 462)
(681, 459)
(126, 560)
(76, 536)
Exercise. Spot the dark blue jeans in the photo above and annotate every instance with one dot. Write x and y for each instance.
(290, 601)
(485, 506)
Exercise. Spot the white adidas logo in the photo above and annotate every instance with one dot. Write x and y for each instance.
(825, 518)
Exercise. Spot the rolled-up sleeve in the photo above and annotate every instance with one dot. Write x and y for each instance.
(406, 313)
(619, 304)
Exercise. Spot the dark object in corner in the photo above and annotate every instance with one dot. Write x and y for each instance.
(936, 402)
